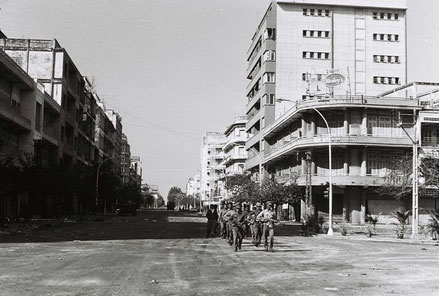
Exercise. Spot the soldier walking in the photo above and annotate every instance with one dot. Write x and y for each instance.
(212, 218)
(238, 226)
(228, 220)
(268, 218)
(255, 225)
(223, 226)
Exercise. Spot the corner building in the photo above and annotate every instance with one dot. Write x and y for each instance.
(297, 48)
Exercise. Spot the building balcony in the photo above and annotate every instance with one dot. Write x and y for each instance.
(13, 114)
(337, 180)
(337, 102)
(255, 119)
(253, 161)
(257, 137)
(236, 157)
(337, 140)
(233, 141)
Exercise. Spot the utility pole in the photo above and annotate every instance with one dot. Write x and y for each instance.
(308, 186)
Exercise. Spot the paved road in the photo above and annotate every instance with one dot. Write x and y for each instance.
(153, 254)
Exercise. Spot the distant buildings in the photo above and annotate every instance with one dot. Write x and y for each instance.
(211, 165)
(193, 186)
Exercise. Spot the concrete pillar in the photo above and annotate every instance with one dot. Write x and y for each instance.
(364, 123)
(363, 206)
(346, 122)
(303, 128)
(347, 155)
(355, 205)
(302, 210)
(364, 162)
(303, 167)
(313, 125)
(346, 209)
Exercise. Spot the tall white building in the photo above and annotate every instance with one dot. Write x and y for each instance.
(193, 185)
(299, 44)
(234, 152)
(211, 164)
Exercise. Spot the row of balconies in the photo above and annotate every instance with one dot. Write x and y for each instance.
(337, 140)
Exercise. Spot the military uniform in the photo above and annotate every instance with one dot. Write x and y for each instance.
(223, 226)
(268, 218)
(255, 225)
(238, 226)
(227, 218)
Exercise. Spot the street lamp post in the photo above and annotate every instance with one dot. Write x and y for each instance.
(330, 230)
(97, 184)
(415, 184)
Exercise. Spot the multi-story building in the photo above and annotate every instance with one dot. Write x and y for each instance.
(26, 117)
(341, 63)
(303, 50)
(234, 152)
(193, 185)
(211, 165)
(48, 63)
(125, 160)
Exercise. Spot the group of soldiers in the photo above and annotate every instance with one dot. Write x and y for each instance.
(238, 221)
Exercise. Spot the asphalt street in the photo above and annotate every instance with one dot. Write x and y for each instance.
(161, 253)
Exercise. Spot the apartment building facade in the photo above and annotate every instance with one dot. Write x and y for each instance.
(52, 112)
(211, 165)
(234, 153)
(340, 62)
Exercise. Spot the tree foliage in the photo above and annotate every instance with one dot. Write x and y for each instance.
(244, 189)
(398, 181)
(174, 194)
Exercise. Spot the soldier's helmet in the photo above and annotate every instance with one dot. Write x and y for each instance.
(269, 203)
(258, 204)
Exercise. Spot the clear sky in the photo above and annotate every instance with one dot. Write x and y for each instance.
(175, 69)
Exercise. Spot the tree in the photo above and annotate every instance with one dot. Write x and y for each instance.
(148, 200)
(242, 188)
(174, 194)
(398, 182)
(160, 201)
(280, 193)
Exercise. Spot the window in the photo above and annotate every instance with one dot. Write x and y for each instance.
(386, 59)
(268, 99)
(315, 34)
(315, 55)
(304, 76)
(269, 77)
(319, 77)
(389, 16)
(38, 117)
(270, 33)
(316, 12)
(269, 55)
(386, 37)
(386, 80)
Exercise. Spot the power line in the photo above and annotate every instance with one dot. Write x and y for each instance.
(152, 123)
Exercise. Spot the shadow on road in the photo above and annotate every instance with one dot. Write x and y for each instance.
(153, 224)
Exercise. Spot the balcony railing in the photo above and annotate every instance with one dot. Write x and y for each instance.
(386, 140)
(430, 141)
(381, 102)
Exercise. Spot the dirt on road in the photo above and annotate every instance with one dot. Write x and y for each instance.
(160, 253)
